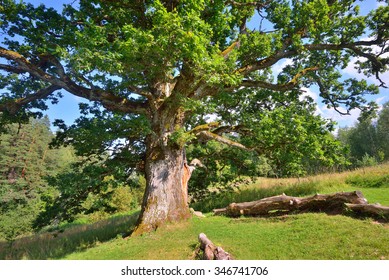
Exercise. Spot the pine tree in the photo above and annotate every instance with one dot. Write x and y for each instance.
(25, 161)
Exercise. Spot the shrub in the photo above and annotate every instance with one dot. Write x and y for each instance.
(369, 181)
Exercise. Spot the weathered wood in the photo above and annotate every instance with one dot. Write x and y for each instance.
(196, 213)
(211, 251)
(374, 210)
(283, 204)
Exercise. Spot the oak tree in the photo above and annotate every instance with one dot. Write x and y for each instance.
(165, 64)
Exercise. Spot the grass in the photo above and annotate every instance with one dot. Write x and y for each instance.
(59, 243)
(304, 236)
(372, 181)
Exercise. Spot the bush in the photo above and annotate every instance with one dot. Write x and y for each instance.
(369, 181)
(367, 160)
(16, 222)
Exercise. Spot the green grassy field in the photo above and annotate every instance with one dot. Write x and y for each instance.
(307, 236)
(304, 236)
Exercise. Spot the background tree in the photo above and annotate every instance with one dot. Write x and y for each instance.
(383, 130)
(25, 161)
(368, 139)
(164, 63)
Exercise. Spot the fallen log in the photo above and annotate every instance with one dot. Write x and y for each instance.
(372, 210)
(211, 251)
(283, 204)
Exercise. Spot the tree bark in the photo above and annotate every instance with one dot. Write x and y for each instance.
(167, 172)
(372, 210)
(283, 204)
(211, 251)
(165, 198)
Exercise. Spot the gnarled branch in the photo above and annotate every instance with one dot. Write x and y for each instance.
(12, 106)
(284, 53)
(257, 4)
(279, 87)
(108, 99)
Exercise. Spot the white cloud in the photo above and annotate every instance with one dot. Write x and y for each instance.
(307, 92)
(79, 99)
(342, 120)
(380, 101)
(330, 113)
(277, 68)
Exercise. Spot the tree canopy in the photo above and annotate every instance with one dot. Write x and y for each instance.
(165, 67)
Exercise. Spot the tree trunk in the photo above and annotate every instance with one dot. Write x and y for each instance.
(283, 204)
(372, 210)
(167, 174)
(165, 198)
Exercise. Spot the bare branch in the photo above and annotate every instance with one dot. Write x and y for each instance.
(141, 92)
(230, 128)
(227, 51)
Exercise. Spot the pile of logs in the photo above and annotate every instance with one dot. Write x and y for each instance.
(337, 203)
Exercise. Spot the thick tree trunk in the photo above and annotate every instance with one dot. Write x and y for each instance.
(166, 170)
(165, 198)
(283, 204)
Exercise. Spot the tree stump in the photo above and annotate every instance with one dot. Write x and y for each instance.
(211, 251)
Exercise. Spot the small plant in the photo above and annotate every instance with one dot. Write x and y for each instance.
(367, 160)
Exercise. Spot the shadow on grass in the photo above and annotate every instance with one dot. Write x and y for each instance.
(221, 200)
(57, 244)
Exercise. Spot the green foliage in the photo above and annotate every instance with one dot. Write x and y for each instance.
(369, 181)
(18, 220)
(88, 192)
(156, 70)
(54, 244)
(25, 161)
(368, 140)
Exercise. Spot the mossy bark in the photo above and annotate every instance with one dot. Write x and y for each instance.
(165, 198)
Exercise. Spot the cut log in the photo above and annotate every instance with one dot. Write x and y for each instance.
(283, 204)
(373, 210)
(211, 251)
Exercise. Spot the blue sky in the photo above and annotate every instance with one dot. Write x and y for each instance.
(67, 109)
